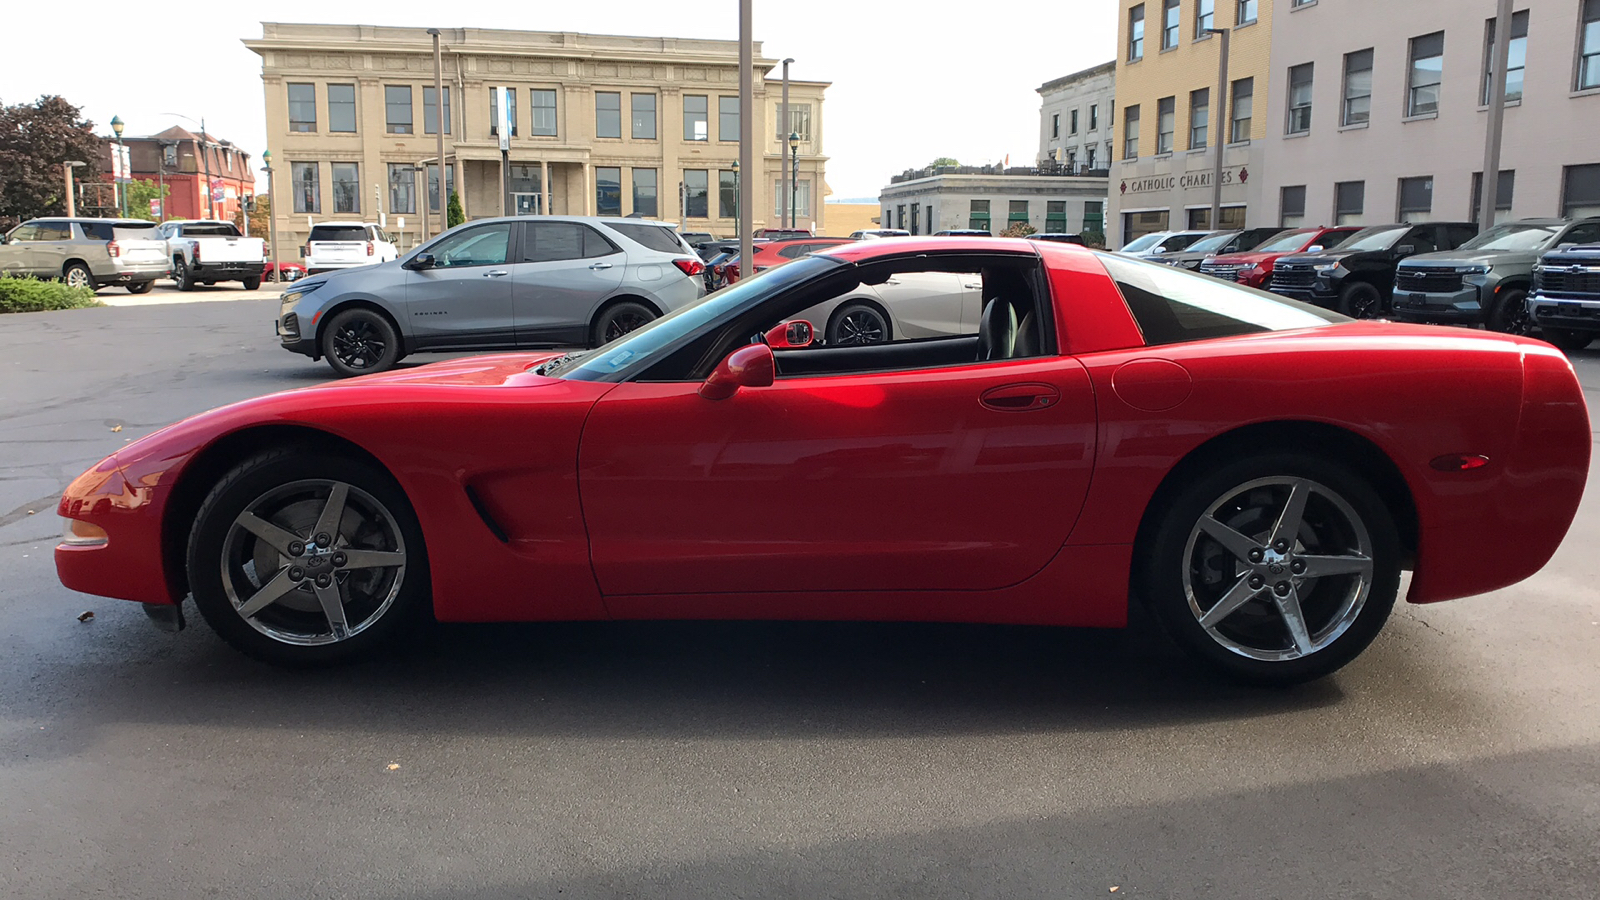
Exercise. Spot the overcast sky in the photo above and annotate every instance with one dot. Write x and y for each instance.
(912, 81)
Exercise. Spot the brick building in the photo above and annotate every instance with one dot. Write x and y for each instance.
(175, 157)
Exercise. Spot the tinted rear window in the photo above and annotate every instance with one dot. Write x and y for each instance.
(204, 229)
(1173, 306)
(338, 233)
(655, 237)
(131, 231)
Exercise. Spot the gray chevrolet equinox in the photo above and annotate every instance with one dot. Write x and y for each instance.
(494, 284)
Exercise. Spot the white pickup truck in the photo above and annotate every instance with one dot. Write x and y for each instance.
(206, 252)
(345, 245)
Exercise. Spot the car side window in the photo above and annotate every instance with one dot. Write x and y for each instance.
(25, 233)
(98, 231)
(54, 231)
(1459, 234)
(1421, 239)
(1587, 233)
(556, 241)
(596, 244)
(485, 245)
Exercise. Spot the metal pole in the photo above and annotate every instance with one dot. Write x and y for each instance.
(1219, 134)
(783, 145)
(205, 157)
(126, 177)
(1490, 183)
(419, 177)
(747, 159)
(272, 225)
(72, 207)
(161, 177)
(794, 189)
(438, 104)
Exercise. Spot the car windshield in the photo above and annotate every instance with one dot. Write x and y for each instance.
(1513, 236)
(1142, 243)
(1212, 242)
(1378, 237)
(653, 339)
(1284, 243)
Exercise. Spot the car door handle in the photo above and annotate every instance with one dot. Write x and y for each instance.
(1020, 397)
(495, 273)
(601, 266)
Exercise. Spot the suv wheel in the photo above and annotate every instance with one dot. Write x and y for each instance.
(620, 319)
(78, 275)
(1361, 301)
(359, 342)
(181, 275)
(1509, 314)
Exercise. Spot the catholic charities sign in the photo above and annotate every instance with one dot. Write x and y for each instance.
(1186, 181)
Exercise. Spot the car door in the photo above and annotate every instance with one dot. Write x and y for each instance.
(14, 260)
(566, 269)
(464, 300)
(52, 244)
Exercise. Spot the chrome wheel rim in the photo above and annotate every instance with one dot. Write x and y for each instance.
(77, 278)
(358, 344)
(313, 562)
(860, 326)
(1278, 568)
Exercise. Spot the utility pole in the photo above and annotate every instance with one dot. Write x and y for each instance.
(205, 157)
(438, 104)
(747, 89)
(1490, 183)
(1219, 134)
(783, 146)
(66, 168)
(272, 217)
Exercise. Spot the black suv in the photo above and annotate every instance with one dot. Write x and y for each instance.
(1357, 277)
(1566, 296)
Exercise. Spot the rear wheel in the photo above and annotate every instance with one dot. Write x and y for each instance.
(1569, 340)
(251, 283)
(359, 342)
(140, 287)
(857, 323)
(1361, 301)
(299, 557)
(77, 275)
(181, 276)
(619, 319)
(1275, 569)
(1509, 313)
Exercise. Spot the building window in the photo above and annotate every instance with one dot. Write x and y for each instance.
(342, 108)
(1589, 47)
(1199, 117)
(1055, 216)
(1299, 99)
(1504, 185)
(1243, 97)
(402, 189)
(544, 112)
(608, 190)
(1247, 12)
(696, 185)
(978, 215)
(696, 121)
(1199, 219)
(728, 194)
(1427, 70)
(397, 108)
(511, 110)
(800, 202)
(1072, 122)
(433, 184)
(430, 111)
(1136, 33)
(1357, 87)
(1416, 198)
(644, 193)
(1166, 123)
(799, 122)
(1088, 158)
(1516, 60)
(1580, 191)
(1055, 125)
(1292, 206)
(302, 107)
(1094, 221)
(916, 218)
(1349, 200)
(1094, 116)
(608, 114)
(644, 117)
(1018, 214)
(1130, 133)
(1171, 18)
(1205, 17)
(307, 192)
(727, 118)
(346, 188)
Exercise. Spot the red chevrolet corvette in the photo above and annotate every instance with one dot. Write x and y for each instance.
(1087, 429)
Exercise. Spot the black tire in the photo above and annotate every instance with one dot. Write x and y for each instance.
(619, 319)
(1254, 642)
(181, 276)
(78, 275)
(1568, 340)
(359, 341)
(251, 283)
(382, 604)
(1360, 300)
(140, 287)
(858, 323)
(1508, 313)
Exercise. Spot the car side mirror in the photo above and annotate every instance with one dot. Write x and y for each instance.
(421, 261)
(795, 335)
(1405, 249)
(749, 366)
(1314, 248)
(1157, 251)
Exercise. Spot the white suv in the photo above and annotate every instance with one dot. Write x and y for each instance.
(345, 245)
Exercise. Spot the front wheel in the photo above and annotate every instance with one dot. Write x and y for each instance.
(1275, 569)
(359, 342)
(619, 320)
(181, 276)
(1509, 314)
(299, 557)
(1568, 340)
(1361, 301)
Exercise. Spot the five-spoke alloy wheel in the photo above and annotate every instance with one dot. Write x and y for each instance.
(360, 341)
(858, 323)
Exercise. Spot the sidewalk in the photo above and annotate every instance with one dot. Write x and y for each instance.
(164, 293)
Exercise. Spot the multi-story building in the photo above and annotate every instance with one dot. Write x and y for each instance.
(992, 199)
(1165, 135)
(213, 181)
(1075, 117)
(1383, 111)
(599, 125)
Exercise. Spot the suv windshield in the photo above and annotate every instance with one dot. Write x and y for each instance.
(1378, 237)
(1294, 240)
(337, 233)
(1212, 242)
(1513, 236)
(1141, 243)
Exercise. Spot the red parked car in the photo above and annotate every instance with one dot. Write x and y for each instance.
(1254, 269)
(1255, 471)
(778, 252)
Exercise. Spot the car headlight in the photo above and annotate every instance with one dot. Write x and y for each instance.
(293, 297)
(1472, 270)
(1324, 267)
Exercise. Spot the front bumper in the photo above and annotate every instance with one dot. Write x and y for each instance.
(1565, 312)
(128, 564)
(292, 339)
(229, 270)
(1465, 305)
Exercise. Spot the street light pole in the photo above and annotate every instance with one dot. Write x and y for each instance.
(794, 179)
(736, 198)
(438, 105)
(1489, 185)
(746, 132)
(66, 168)
(1219, 137)
(120, 175)
(272, 217)
(783, 147)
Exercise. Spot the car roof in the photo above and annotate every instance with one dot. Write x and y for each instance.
(863, 251)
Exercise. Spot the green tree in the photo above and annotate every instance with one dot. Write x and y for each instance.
(943, 161)
(260, 220)
(1018, 229)
(140, 193)
(454, 214)
(35, 139)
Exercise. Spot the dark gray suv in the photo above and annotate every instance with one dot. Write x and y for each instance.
(494, 284)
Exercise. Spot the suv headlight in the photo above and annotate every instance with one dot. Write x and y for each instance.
(290, 298)
(1473, 270)
(1324, 267)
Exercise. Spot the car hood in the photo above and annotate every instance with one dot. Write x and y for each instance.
(500, 370)
(1248, 259)
(1446, 258)
(1329, 256)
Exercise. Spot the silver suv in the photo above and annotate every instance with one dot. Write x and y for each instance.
(87, 252)
(494, 284)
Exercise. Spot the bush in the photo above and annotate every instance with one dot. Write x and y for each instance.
(32, 295)
(1018, 229)
(1094, 239)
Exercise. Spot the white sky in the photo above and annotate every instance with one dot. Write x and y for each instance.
(912, 81)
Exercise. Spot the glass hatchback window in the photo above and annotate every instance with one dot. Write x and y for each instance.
(1173, 306)
(337, 233)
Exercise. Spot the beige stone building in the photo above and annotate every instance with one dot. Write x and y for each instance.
(599, 125)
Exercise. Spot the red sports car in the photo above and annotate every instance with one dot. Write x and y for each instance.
(1257, 471)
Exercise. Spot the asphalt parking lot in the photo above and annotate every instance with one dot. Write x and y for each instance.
(1460, 757)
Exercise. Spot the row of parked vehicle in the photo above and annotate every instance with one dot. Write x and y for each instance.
(1514, 277)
